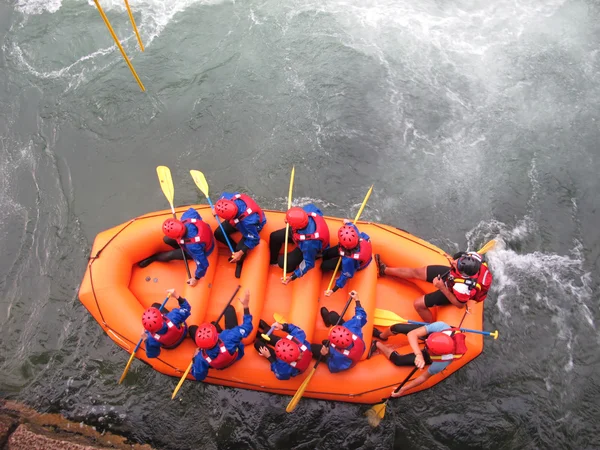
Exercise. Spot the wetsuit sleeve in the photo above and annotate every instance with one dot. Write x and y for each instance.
(297, 332)
(360, 315)
(249, 230)
(197, 252)
(337, 362)
(309, 253)
(152, 346)
(199, 368)
(232, 338)
(349, 266)
(282, 370)
(179, 315)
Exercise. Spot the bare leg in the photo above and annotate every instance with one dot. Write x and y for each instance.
(386, 333)
(418, 273)
(423, 310)
(384, 348)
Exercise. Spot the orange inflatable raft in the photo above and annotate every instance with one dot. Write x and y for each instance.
(116, 292)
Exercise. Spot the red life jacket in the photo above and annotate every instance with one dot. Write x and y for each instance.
(355, 352)
(460, 347)
(470, 288)
(223, 360)
(251, 208)
(173, 336)
(363, 255)
(321, 233)
(204, 235)
(305, 357)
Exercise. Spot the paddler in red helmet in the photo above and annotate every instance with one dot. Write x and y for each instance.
(165, 330)
(193, 235)
(355, 250)
(443, 344)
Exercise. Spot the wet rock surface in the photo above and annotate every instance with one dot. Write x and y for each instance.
(22, 428)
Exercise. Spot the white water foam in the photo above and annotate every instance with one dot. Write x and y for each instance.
(155, 16)
(38, 6)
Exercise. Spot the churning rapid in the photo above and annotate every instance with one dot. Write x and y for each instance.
(474, 120)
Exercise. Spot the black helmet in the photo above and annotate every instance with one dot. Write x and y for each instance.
(469, 264)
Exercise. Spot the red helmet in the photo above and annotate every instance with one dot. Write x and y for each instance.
(296, 217)
(152, 320)
(173, 228)
(286, 350)
(226, 209)
(206, 336)
(348, 237)
(340, 336)
(439, 343)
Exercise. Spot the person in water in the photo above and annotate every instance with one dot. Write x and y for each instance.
(219, 349)
(191, 234)
(240, 213)
(465, 282)
(355, 250)
(309, 231)
(346, 338)
(165, 330)
(443, 344)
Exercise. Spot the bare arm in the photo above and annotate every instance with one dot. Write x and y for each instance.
(439, 283)
(411, 384)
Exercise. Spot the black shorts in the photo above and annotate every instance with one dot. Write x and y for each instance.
(436, 298)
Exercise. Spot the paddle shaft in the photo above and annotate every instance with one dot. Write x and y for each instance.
(185, 262)
(287, 225)
(137, 347)
(228, 303)
(185, 374)
(266, 336)
(412, 372)
(486, 333)
(220, 226)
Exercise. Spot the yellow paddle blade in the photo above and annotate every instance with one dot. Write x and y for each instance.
(487, 247)
(300, 392)
(279, 318)
(384, 314)
(291, 187)
(166, 183)
(494, 334)
(375, 414)
(185, 374)
(131, 360)
(364, 203)
(200, 181)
